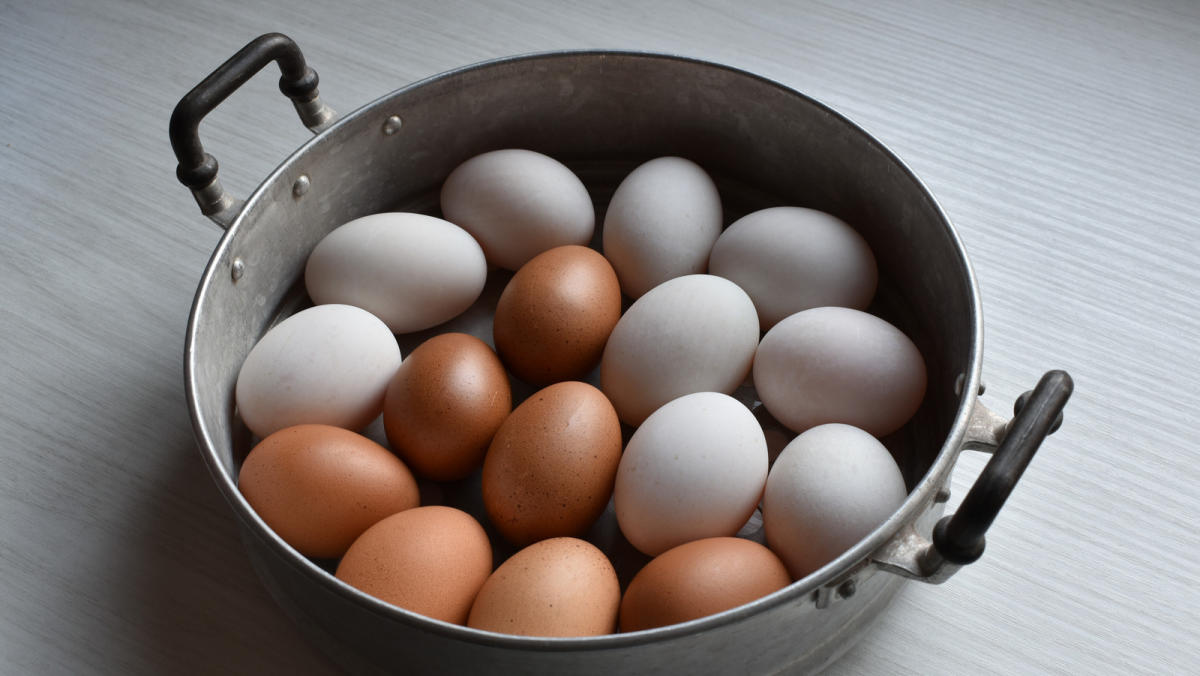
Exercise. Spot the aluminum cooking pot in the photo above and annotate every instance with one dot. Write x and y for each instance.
(602, 113)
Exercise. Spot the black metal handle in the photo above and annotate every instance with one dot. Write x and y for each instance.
(197, 169)
(959, 538)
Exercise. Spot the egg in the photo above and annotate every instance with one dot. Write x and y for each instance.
(555, 587)
(698, 579)
(830, 488)
(661, 223)
(517, 204)
(319, 487)
(833, 364)
(328, 364)
(789, 259)
(696, 333)
(430, 560)
(694, 469)
(410, 270)
(556, 314)
(444, 404)
(550, 468)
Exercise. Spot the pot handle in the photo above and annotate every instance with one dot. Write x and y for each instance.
(959, 539)
(197, 169)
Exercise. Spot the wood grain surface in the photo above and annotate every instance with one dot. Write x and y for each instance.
(1060, 136)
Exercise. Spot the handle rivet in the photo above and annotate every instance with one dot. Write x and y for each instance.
(962, 380)
(238, 269)
(301, 186)
(847, 589)
(392, 125)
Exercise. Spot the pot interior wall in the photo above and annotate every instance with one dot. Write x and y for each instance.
(602, 114)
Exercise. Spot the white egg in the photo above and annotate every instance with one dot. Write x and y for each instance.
(695, 333)
(410, 270)
(328, 364)
(661, 223)
(833, 364)
(518, 203)
(830, 488)
(790, 259)
(694, 469)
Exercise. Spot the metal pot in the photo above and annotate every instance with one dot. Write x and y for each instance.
(602, 113)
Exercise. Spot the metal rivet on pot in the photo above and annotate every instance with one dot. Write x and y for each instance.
(237, 269)
(392, 125)
(962, 379)
(847, 589)
(943, 495)
(301, 186)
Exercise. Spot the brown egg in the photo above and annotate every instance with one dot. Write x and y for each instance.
(700, 578)
(556, 587)
(444, 404)
(319, 487)
(550, 469)
(430, 560)
(555, 315)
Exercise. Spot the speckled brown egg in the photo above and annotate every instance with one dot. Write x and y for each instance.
(430, 560)
(556, 587)
(550, 469)
(700, 578)
(444, 404)
(319, 487)
(554, 317)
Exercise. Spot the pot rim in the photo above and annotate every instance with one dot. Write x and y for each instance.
(799, 591)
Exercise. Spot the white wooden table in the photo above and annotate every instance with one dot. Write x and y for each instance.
(1061, 137)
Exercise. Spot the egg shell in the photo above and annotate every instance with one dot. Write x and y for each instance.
(661, 223)
(830, 488)
(789, 259)
(556, 314)
(430, 560)
(698, 579)
(444, 405)
(835, 364)
(410, 270)
(695, 469)
(696, 333)
(550, 468)
(328, 364)
(555, 587)
(319, 487)
(517, 204)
